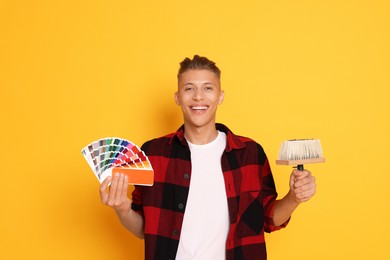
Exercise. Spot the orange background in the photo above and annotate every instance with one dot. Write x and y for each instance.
(72, 72)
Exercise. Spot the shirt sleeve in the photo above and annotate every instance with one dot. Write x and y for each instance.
(269, 196)
(136, 204)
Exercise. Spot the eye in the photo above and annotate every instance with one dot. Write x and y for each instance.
(188, 89)
(208, 88)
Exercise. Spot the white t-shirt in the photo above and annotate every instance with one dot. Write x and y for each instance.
(206, 218)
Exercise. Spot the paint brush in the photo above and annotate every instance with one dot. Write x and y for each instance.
(299, 152)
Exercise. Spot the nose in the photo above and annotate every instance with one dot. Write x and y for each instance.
(198, 95)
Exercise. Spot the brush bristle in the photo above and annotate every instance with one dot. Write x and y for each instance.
(300, 149)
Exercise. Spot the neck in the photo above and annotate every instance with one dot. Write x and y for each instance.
(200, 135)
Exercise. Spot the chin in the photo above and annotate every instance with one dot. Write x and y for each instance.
(198, 124)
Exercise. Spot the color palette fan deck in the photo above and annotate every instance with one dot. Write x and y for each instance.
(111, 155)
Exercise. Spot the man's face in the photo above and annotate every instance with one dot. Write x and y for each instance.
(199, 94)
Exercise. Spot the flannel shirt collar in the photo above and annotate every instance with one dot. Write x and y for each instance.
(232, 141)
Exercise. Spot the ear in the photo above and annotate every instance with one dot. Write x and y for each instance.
(176, 97)
(221, 97)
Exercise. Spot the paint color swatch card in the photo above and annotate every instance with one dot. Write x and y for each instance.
(111, 155)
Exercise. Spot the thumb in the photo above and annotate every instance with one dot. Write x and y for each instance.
(294, 177)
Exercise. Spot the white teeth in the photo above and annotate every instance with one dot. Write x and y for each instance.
(199, 107)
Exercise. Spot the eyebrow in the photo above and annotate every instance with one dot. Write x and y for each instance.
(205, 83)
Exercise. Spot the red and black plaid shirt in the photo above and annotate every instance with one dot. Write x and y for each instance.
(250, 191)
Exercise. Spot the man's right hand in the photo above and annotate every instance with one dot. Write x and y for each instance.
(115, 195)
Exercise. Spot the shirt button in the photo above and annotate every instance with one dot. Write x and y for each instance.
(186, 176)
(181, 206)
(175, 232)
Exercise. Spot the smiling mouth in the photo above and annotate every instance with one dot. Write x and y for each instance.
(199, 108)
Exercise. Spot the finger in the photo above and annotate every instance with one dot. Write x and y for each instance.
(103, 189)
(125, 186)
(113, 189)
(305, 181)
(119, 189)
(301, 174)
(305, 196)
(304, 188)
(307, 190)
(104, 184)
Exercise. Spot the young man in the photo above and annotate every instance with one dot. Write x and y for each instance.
(214, 195)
